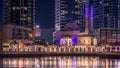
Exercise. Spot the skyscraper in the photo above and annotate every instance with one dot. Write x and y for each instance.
(106, 19)
(105, 13)
(68, 13)
(19, 12)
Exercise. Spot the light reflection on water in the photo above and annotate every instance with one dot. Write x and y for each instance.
(59, 62)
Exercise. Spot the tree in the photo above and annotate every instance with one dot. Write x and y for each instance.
(101, 42)
(40, 42)
(55, 41)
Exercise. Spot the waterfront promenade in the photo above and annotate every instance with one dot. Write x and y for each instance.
(62, 50)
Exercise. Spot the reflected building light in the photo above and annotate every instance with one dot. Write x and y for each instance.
(42, 61)
(107, 63)
(21, 63)
(27, 62)
(36, 61)
(118, 63)
(73, 62)
(50, 62)
(59, 61)
(9, 62)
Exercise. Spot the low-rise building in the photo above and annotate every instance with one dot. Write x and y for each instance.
(10, 33)
(109, 36)
(37, 31)
(71, 38)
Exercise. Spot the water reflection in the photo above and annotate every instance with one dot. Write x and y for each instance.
(59, 62)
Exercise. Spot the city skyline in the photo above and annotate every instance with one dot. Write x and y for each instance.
(85, 32)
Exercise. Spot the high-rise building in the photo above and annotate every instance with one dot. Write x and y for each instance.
(105, 13)
(69, 13)
(119, 14)
(106, 20)
(19, 12)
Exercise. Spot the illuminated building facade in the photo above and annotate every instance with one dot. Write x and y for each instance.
(105, 13)
(11, 33)
(19, 12)
(106, 18)
(37, 31)
(109, 36)
(72, 11)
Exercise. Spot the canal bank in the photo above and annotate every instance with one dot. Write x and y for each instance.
(34, 54)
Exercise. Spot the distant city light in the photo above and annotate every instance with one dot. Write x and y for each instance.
(37, 26)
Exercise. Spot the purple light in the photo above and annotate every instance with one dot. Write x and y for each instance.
(91, 18)
(74, 40)
(86, 15)
(86, 11)
(58, 38)
(91, 12)
(73, 62)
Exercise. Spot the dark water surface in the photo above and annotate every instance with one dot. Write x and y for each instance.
(60, 62)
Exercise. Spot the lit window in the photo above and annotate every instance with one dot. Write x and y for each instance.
(13, 8)
(77, 0)
(25, 8)
(73, 12)
(18, 7)
(24, 15)
(29, 19)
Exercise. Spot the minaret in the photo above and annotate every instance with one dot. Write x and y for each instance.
(86, 19)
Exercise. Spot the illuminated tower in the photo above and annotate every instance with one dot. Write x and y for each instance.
(19, 12)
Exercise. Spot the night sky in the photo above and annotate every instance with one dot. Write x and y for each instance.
(44, 13)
